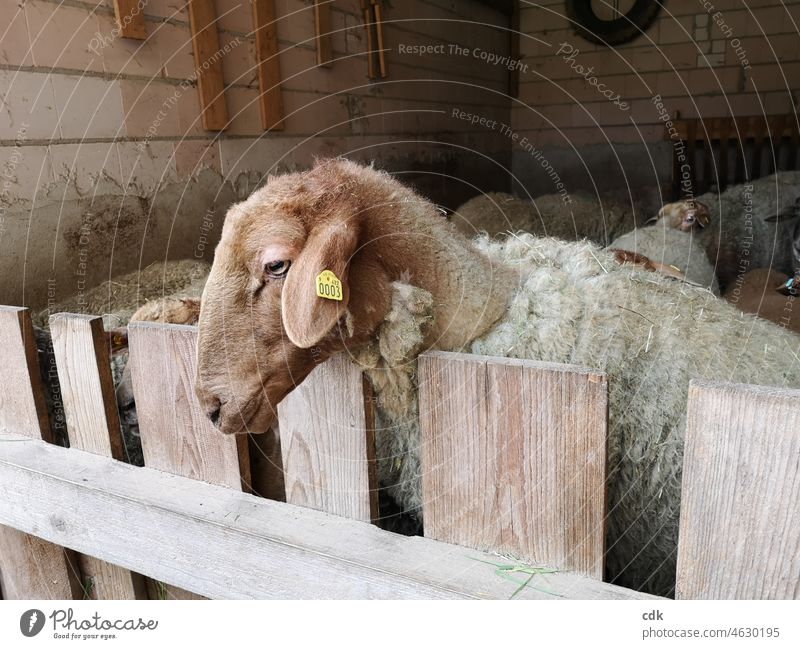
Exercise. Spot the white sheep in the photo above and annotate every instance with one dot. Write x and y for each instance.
(583, 217)
(663, 244)
(410, 282)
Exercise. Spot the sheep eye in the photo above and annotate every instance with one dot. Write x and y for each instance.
(690, 218)
(277, 269)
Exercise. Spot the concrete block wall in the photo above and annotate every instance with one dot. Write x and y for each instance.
(706, 58)
(105, 166)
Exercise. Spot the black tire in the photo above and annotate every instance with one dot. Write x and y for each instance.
(611, 32)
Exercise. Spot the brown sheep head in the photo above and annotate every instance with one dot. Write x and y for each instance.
(263, 327)
(686, 216)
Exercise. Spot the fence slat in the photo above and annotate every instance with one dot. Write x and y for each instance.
(176, 435)
(322, 31)
(740, 523)
(514, 457)
(225, 543)
(328, 444)
(90, 406)
(30, 568)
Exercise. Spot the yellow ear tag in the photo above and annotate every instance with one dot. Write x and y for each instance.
(329, 286)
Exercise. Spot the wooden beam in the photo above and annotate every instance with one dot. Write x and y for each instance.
(322, 31)
(514, 457)
(80, 346)
(268, 62)
(208, 64)
(224, 543)
(328, 442)
(176, 435)
(30, 568)
(366, 11)
(740, 522)
(376, 8)
(130, 19)
(514, 51)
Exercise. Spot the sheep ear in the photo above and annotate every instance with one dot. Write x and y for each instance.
(307, 318)
(703, 214)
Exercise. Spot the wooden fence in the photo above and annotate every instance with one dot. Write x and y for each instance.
(514, 457)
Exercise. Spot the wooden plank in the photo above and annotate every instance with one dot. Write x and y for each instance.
(224, 543)
(513, 51)
(268, 62)
(208, 64)
(328, 443)
(322, 32)
(742, 133)
(514, 457)
(366, 11)
(691, 154)
(724, 137)
(30, 568)
(759, 133)
(90, 405)
(130, 19)
(740, 523)
(176, 435)
(708, 158)
(376, 8)
(776, 125)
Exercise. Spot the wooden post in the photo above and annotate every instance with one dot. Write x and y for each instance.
(90, 405)
(268, 61)
(176, 435)
(322, 31)
(328, 442)
(740, 521)
(130, 19)
(514, 457)
(30, 568)
(208, 64)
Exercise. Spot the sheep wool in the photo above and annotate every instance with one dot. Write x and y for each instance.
(672, 247)
(584, 217)
(649, 334)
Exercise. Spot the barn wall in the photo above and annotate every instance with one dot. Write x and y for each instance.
(105, 164)
(742, 61)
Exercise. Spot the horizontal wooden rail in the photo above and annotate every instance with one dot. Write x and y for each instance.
(223, 543)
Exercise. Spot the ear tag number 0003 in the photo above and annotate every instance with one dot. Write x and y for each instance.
(329, 286)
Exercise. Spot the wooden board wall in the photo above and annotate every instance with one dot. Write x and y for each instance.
(269, 68)
(740, 520)
(514, 457)
(208, 64)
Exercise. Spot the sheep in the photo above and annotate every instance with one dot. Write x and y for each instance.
(746, 229)
(121, 300)
(584, 217)
(763, 292)
(672, 242)
(411, 282)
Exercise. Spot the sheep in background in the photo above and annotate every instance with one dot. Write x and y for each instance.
(411, 282)
(672, 243)
(133, 296)
(746, 231)
(763, 292)
(585, 217)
